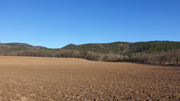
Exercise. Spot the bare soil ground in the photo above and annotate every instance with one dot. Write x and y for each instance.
(69, 79)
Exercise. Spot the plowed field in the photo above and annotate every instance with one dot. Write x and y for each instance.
(62, 79)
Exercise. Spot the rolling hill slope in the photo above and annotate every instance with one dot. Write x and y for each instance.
(152, 52)
(18, 47)
(126, 47)
(123, 48)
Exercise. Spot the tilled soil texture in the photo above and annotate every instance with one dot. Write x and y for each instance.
(70, 79)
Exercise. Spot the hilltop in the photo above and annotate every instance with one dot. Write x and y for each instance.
(126, 47)
(18, 47)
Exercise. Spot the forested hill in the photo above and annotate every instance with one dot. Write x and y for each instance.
(18, 47)
(115, 47)
(153, 52)
(126, 47)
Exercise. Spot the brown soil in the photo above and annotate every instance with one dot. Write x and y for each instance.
(57, 79)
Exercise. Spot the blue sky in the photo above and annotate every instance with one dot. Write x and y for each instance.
(56, 23)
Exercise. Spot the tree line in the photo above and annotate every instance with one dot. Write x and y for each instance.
(164, 58)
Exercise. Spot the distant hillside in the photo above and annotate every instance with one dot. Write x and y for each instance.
(153, 52)
(18, 47)
(123, 48)
(116, 47)
(126, 47)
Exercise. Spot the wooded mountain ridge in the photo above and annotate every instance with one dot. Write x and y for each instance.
(18, 47)
(152, 52)
(126, 47)
(122, 48)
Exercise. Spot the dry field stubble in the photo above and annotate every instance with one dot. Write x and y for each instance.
(57, 79)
